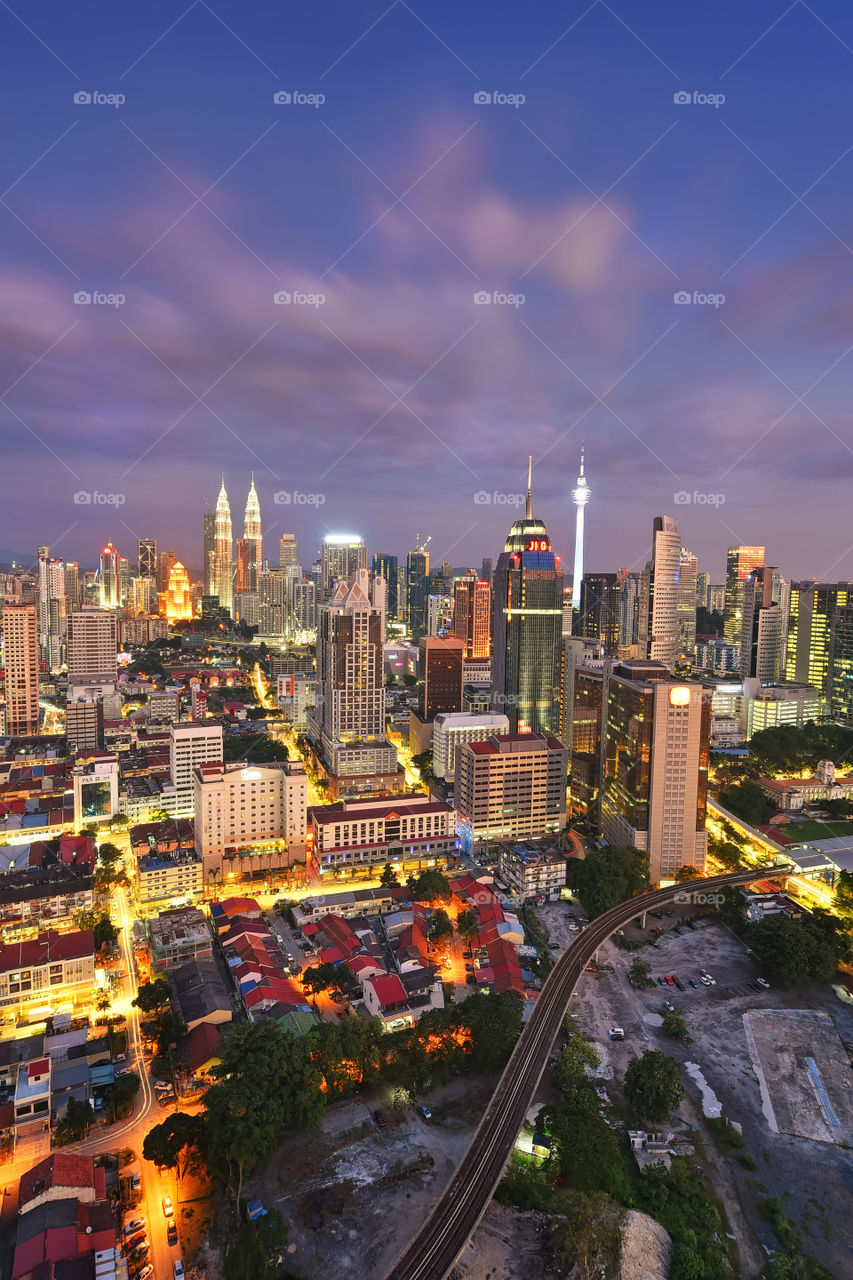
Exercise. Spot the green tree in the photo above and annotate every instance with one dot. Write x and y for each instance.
(322, 977)
(569, 1071)
(653, 1085)
(468, 924)
(674, 1025)
(108, 854)
(75, 1124)
(106, 934)
(172, 1144)
(120, 1101)
(428, 886)
(586, 1234)
(388, 879)
(257, 1253)
(440, 926)
(153, 996)
(639, 973)
(606, 877)
(348, 1054)
(844, 892)
(683, 874)
(792, 951)
(745, 800)
(494, 1021)
(587, 1153)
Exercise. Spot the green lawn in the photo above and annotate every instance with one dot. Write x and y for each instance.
(813, 829)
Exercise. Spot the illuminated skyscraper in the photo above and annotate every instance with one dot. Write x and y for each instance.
(223, 551)
(176, 601)
(687, 574)
(110, 578)
(658, 623)
(51, 608)
(146, 558)
(472, 615)
(208, 553)
(288, 550)
(253, 533)
(417, 589)
(740, 563)
(341, 557)
(580, 497)
(21, 666)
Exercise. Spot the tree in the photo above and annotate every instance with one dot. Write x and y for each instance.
(348, 1054)
(639, 973)
(257, 1252)
(587, 1153)
(321, 977)
(106, 934)
(108, 854)
(388, 879)
(179, 1133)
(428, 886)
(653, 1085)
(170, 1030)
(76, 1123)
(468, 925)
(683, 874)
(586, 1234)
(440, 927)
(792, 951)
(153, 996)
(844, 892)
(569, 1071)
(745, 800)
(675, 1025)
(125, 1089)
(606, 877)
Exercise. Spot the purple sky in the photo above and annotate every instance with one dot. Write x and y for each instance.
(398, 199)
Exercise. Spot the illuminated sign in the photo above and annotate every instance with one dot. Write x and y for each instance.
(538, 544)
(251, 775)
(679, 696)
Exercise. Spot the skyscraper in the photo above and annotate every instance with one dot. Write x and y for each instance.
(386, 567)
(51, 608)
(812, 607)
(21, 665)
(527, 628)
(241, 562)
(223, 551)
(580, 497)
(110, 578)
(598, 615)
(472, 615)
(254, 535)
(417, 589)
(659, 598)
(176, 601)
(688, 567)
(341, 557)
(146, 558)
(288, 550)
(208, 553)
(740, 563)
(761, 628)
(92, 664)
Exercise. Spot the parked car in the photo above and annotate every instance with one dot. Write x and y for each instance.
(669, 980)
(379, 1117)
(168, 1208)
(424, 1112)
(762, 982)
(130, 1228)
(146, 1272)
(661, 982)
(616, 1033)
(135, 1181)
(179, 1269)
(694, 983)
(680, 984)
(753, 986)
(172, 1232)
(669, 1006)
(135, 1241)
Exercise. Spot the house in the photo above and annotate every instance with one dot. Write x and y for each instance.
(199, 1049)
(177, 936)
(51, 969)
(385, 997)
(199, 994)
(32, 1096)
(59, 1176)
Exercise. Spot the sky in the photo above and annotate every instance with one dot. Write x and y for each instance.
(380, 252)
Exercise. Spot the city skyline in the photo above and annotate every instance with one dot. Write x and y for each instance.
(597, 199)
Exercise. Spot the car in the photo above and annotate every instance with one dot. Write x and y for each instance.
(657, 915)
(424, 1112)
(669, 1006)
(130, 1228)
(168, 1208)
(98, 1104)
(179, 1269)
(693, 982)
(172, 1232)
(135, 1241)
(705, 980)
(680, 985)
(661, 982)
(146, 1272)
(119, 1057)
(123, 1071)
(135, 1181)
(669, 980)
(379, 1117)
(139, 1254)
(762, 982)
(753, 986)
(616, 1033)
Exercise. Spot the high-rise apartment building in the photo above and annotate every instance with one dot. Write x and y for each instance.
(51, 608)
(191, 745)
(342, 556)
(253, 534)
(21, 666)
(146, 558)
(486, 569)
(288, 550)
(303, 606)
(249, 818)
(472, 615)
(510, 786)
(92, 667)
(417, 591)
(272, 602)
(386, 566)
(812, 607)
(597, 617)
(740, 563)
(72, 585)
(658, 621)
(208, 551)
(688, 572)
(223, 551)
(440, 669)
(110, 578)
(761, 628)
(527, 628)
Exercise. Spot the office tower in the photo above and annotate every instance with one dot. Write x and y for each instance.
(440, 670)
(191, 745)
(303, 606)
(21, 667)
(761, 628)
(84, 724)
(688, 567)
(272, 602)
(146, 558)
(658, 620)
(486, 569)
(144, 596)
(530, 769)
(348, 726)
(288, 550)
(782, 595)
(580, 497)
(92, 667)
(258, 815)
(653, 790)
(597, 617)
(840, 676)
(241, 560)
(703, 586)
(629, 607)
(717, 598)
(472, 615)
(386, 566)
(176, 601)
(208, 553)
(125, 579)
(247, 608)
(223, 551)
(72, 585)
(402, 595)
(453, 729)
(439, 615)
(254, 534)
(165, 562)
(51, 608)
(417, 589)
(527, 628)
(740, 563)
(379, 599)
(584, 736)
(341, 557)
(812, 606)
(110, 578)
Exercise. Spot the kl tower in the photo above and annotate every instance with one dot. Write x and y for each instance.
(580, 497)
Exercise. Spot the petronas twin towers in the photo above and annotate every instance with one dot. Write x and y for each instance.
(249, 547)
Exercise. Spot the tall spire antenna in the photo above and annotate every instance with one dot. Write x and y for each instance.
(528, 511)
(580, 497)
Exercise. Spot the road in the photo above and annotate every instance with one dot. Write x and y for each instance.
(455, 1217)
